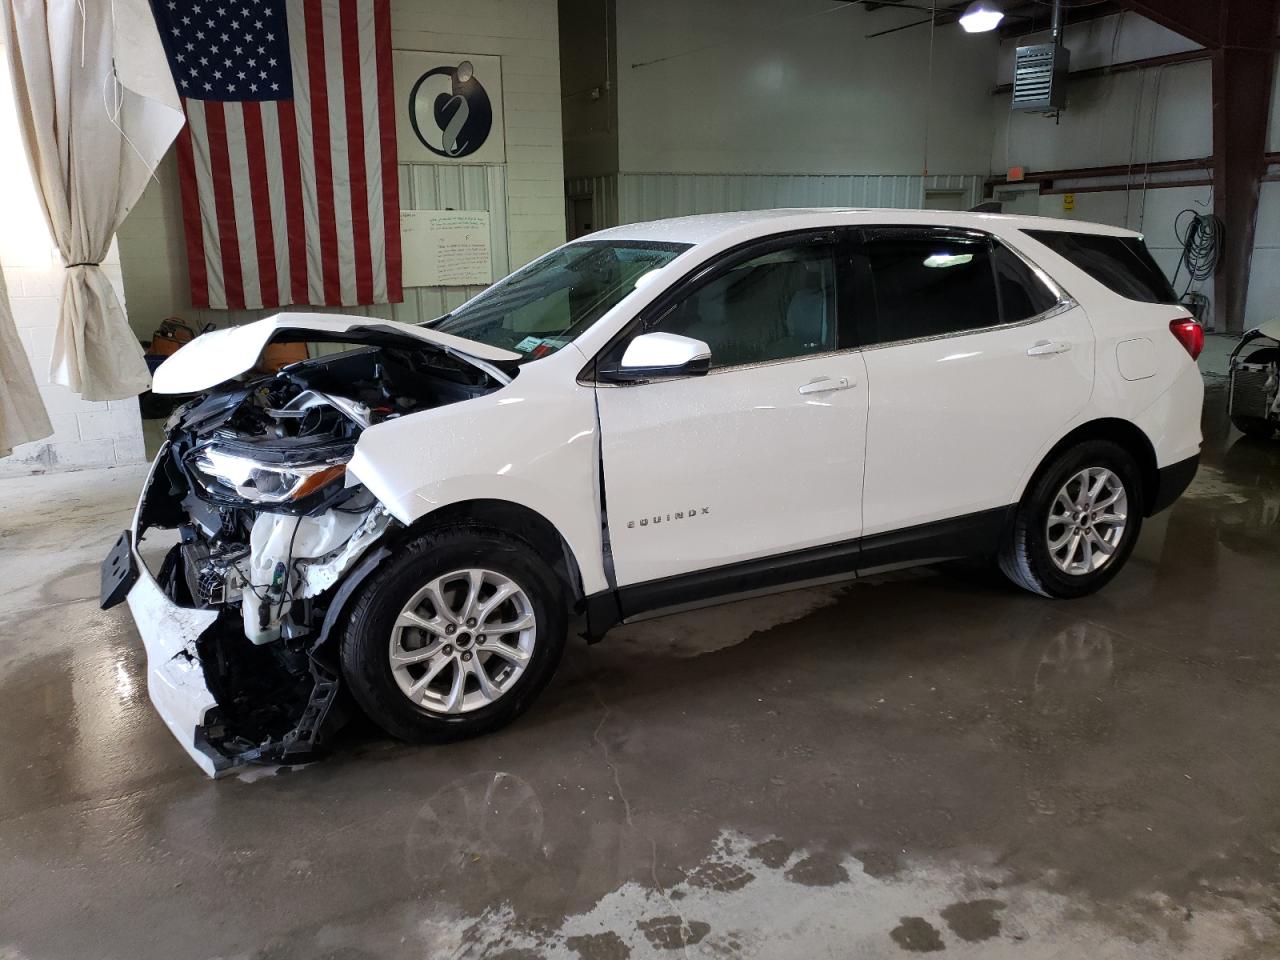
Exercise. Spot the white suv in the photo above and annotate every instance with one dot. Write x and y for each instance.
(654, 417)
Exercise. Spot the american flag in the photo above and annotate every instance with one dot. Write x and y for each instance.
(288, 159)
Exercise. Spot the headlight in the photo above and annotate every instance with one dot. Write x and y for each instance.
(259, 482)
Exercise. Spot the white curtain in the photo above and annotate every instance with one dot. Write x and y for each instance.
(98, 108)
(22, 414)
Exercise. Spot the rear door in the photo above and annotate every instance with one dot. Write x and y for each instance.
(974, 361)
(763, 455)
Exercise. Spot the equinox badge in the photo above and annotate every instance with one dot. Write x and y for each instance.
(668, 517)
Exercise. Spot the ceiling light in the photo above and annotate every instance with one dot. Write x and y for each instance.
(947, 259)
(981, 16)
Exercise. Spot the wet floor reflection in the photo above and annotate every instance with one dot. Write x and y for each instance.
(931, 753)
(1070, 667)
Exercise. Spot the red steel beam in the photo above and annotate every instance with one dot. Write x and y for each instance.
(1241, 36)
(1198, 20)
(1242, 79)
(1125, 66)
(1115, 170)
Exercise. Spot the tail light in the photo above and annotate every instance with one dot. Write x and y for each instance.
(1190, 334)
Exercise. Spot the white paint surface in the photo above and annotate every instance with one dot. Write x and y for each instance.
(1136, 358)
(706, 471)
(220, 355)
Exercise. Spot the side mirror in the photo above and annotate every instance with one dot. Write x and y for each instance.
(659, 356)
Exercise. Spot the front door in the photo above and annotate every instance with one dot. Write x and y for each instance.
(763, 455)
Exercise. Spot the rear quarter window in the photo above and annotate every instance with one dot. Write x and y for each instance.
(1023, 295)
(1122, 264)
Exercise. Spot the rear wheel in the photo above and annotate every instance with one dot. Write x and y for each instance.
(455, 636)
(1077, 525)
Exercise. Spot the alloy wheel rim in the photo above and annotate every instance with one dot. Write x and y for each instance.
(1087, 521)
(462, 641)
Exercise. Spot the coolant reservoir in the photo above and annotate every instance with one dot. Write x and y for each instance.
(275, 542)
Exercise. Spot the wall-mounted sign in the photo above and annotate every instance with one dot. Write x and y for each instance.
(1068, 201)
(448, 107)
(446, 248)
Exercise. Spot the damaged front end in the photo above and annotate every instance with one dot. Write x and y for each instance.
(270, 534)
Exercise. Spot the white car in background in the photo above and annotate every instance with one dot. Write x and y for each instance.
(651, 418)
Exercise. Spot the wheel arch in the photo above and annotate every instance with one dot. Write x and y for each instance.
(1124, 433)
(518, 520)
(507, 516)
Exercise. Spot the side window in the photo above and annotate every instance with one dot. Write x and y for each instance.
(1122, 264)
(772, 306)
(1022, 294)
(929, 283)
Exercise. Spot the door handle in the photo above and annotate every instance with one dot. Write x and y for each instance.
(1047, 348)
(825, 385)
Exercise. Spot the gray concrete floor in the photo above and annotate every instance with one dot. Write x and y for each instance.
(929, 761)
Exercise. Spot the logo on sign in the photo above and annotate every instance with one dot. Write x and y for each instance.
(450, 110)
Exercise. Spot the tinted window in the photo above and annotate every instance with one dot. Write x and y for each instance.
(768, 307)
(1022, 293)
(543, 306)
(1122, 264)
(931, 283)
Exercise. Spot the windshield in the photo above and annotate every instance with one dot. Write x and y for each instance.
(543, 306)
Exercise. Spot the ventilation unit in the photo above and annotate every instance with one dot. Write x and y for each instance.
(1040, 77)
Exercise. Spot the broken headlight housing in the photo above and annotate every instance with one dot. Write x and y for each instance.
(227, 474)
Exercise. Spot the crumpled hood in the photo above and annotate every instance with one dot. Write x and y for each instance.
(212, 358)
(1270, 328)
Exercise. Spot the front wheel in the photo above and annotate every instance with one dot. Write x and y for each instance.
(1077, 524)
(455, 635)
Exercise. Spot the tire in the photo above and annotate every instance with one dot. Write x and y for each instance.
(1257, 427)
(378, 620)
(1027, 558)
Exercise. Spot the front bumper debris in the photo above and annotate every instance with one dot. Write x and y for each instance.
(228, 702)
(175, 676)
(173, 636)
(119, 572)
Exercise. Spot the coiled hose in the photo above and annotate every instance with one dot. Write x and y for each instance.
(1201, 237)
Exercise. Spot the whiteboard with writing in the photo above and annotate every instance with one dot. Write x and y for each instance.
(446, 248)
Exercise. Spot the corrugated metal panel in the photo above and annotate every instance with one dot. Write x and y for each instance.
(652, 196)
(455, 187)
(603, 192)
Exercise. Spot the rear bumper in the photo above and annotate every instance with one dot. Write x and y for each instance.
(1171, 482)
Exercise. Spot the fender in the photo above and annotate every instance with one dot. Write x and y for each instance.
(346, 588)
(533, 443)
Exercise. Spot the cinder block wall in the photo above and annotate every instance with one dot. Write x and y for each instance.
(85, 434)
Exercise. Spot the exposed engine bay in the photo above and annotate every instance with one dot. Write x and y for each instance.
(253, 479)
(1253, 386)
